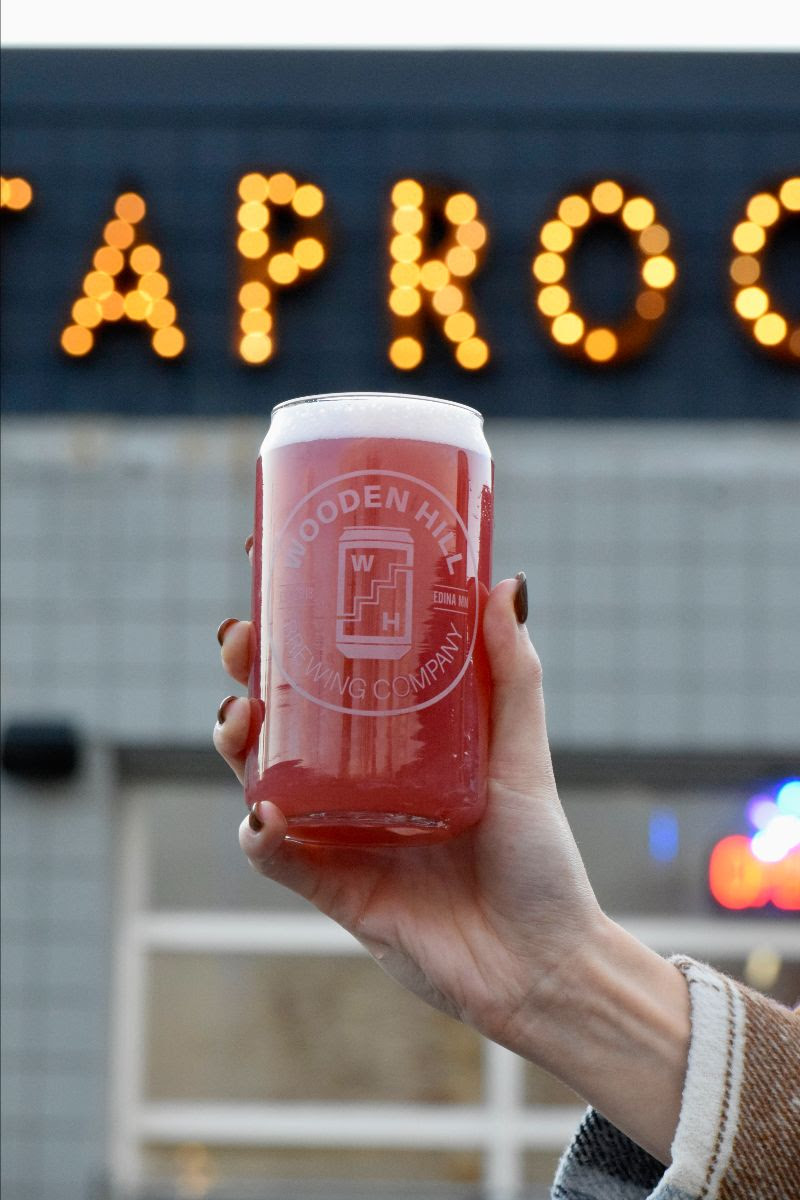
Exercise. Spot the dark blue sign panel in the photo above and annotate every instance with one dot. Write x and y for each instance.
(576, 235)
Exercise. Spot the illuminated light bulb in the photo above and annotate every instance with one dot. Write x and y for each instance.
(98, 284)
(253, 215)
(407, 194)
(774, 842)
(654, 240)
(567, 329)
(145, 259)
(408, 220)
(448, 300)
(168, 342)
(553, 300)
(761, 810)
(17, 194)
(787, 800)
(254, 295)
(745, 269)
(406, 248)
(461, 261)
(472, 235)
(109, 260)
(113, 306)
(574, 211)
(638, 213)
(253, 243)
(87, 312)
(659, 271)
(549, 267)
(137, 305)
(607, 196)
(5, 192)
(308, 200)
(790, 194)
(161, 314)
(309, 253)
(763, 209)
(154, 285)
(130, 207)
(461, 209)
(434, 275)
(748, 237)
(600, 345)
(255, 347)
(736, 879)
(650, 305)
(770, 329)
(405, 301)
(77, 340)
(556, 236)
(406, 353)
(282, 188)
(405, 274)
(459, 326)
(473, 353)
(283, 269)
(255, 320)
(119, 233)
(751, 302)
(253, 187)
(762, 968)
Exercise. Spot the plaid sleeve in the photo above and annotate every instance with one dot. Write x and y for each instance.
(738, 1135)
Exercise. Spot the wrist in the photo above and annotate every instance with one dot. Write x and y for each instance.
(613, 1024)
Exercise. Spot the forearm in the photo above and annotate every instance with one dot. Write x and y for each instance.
(615, 1028)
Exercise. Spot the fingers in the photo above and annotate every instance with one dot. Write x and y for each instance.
(262, 836)
(237, 639)
(520, 753)
(232, 732)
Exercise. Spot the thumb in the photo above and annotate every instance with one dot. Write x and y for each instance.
(520, 754)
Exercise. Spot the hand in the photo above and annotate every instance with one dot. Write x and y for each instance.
(499, 927)
(475, 925)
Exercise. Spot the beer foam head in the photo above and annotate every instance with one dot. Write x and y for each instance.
(376, 415)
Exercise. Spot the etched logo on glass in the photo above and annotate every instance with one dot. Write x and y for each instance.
(375, 593)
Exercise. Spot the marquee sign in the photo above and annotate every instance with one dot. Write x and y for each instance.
(425, 278)
(541, 235)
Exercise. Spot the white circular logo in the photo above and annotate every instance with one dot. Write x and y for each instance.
(373, 595)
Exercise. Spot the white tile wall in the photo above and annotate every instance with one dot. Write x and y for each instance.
(663, 565)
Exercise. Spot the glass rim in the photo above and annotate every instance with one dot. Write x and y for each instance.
(317, 397)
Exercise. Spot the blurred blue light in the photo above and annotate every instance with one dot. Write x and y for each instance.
(663, 835)
(788, 798)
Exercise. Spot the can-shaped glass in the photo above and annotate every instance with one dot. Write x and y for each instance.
(371, 566)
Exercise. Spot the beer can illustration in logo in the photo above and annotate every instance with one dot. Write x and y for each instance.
(375, 590)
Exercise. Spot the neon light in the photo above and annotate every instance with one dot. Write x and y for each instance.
(749, 872)
(788, 798)
(663, 835)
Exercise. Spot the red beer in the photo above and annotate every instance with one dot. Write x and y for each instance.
(372, 560)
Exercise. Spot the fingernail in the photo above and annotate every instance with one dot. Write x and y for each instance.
(248, 544)
(223, 708)
(521, 598)
(256, 824)
(223, 629)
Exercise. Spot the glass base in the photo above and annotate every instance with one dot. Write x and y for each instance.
(368, 829)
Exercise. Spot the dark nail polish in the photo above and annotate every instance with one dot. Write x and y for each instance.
(254, 822)
(224, 627)
(521, 598)
(223, 708)
(249, 541)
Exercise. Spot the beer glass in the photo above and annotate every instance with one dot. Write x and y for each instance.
(371, 564)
